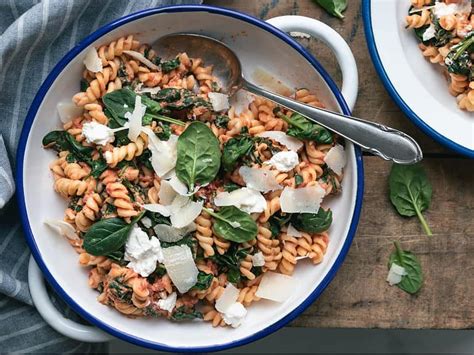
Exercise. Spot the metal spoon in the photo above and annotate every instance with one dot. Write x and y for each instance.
(383, 141)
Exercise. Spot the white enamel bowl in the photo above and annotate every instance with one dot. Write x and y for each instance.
(416, 85)
(257, 44)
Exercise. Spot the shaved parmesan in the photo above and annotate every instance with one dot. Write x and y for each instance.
(227, 299)
(276, 287)
(171, 234)
(235, 224)
(68, 110)
(293, 232)
(284, 161)
(63, 228)
(395, 274)
(141, 58)
(163, 154)
(184, 211)
(179, 264)
(245, 199)
(219, 102)
(299, 34)
(92, 61)
(146, 222)
(168, 303)
(241, 101)
(166, 194)
(281, 137)
(135, 119)
(178, 185)
(157, 208)
(303, 200)
(258, 259)
(259, 179)
(336, 158)
(302, 257)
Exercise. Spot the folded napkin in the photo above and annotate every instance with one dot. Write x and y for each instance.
(34, 37)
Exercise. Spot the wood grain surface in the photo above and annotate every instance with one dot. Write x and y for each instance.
(359, 296)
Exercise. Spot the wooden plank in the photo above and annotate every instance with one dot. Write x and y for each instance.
(373, 103)
(359, 295)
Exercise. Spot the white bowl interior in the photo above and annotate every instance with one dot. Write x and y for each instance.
(419, 83)
(255, 47)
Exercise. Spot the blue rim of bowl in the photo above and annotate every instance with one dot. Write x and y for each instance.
(374, 54)
(21, 197)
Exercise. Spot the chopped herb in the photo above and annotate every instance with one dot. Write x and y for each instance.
(298, 179)
(84, 85)
(169, 65)
(222, 121)
(181, 313)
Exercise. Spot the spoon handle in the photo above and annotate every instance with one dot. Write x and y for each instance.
(385, 142)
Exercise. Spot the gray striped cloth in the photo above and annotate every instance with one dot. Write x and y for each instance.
(35, 35)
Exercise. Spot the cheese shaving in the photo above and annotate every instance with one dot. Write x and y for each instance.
(259, 179)
(303, 200)
(141, 58)
(135, 119)
(68, 110)
(63, 228)
(219, 102)
(92, 61)
(291, 143)
(336, 159)
(276, 287)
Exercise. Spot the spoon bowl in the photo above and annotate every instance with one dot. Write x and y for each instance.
(226, 65)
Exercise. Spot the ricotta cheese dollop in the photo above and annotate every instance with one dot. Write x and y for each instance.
(97, 133)
(284, 161)
(142, 252)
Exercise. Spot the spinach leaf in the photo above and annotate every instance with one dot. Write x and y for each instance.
(230, 186)
(229, 262)
(298, 179)
(169, 65)
(312, 222)
(233, 224)
(182, 313)
(62, 140)
(458, 60)
(84, 84)
(203, 281)
(144, 159)
(333, 7)
(56, 140)
(165, 133)
(410, 192)
(441, 36)
(277, 221)
(120, 102)
(302, 128)
(167, 95)
(106, 236)
(117, 256)
(97, 166)
(235, 149)
(412, 281)
(199, 155)
(222, 121)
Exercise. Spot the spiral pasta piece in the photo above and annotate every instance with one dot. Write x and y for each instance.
(269, 247)
(122, 200)
(289, 254)
(125, 152)
(418, 20)
(89, 213)
(247, 295)
(204, 233)
(246, 267)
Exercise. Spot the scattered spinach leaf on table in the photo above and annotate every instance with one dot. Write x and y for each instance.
(410, 192)
(333, 7)
(412, 281)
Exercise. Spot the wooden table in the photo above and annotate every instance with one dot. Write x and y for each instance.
(359, 297)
